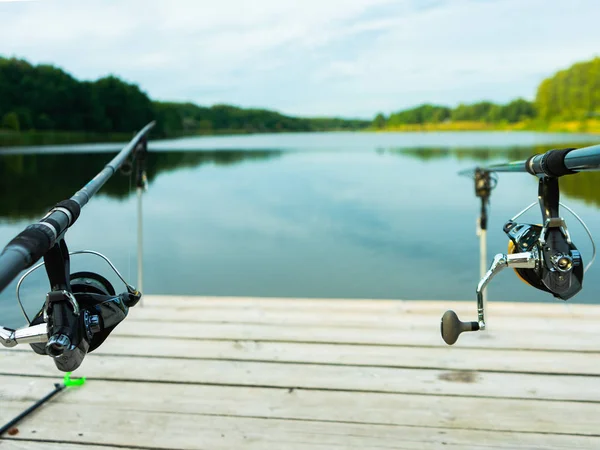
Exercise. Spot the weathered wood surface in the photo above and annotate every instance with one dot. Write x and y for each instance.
(203, 373)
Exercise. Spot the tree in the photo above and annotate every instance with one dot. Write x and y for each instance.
(379, 121)
(573, 93)
(45, 97)
(517, 110)
(425, 113)
(10, 121)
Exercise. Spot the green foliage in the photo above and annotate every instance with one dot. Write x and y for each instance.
(571, 94)
(485, 111)
(379, 121)
(46, 98)
(118, 106)
(517, 110)
(10, 121)
(421, 114)
(187, 118)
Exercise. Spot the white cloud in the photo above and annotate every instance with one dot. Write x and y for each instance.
(352, 57)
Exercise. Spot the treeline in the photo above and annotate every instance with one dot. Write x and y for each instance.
(187, 118)
(571, 94)
(46, 98)
(515, 111)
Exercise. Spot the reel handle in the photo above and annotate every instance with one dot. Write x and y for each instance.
(451, 327)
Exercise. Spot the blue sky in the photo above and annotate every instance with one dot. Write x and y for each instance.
(313, 57)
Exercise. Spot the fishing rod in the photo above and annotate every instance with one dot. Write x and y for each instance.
(543, 256)
(82, 308)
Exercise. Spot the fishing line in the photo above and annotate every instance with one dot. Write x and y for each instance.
(131, 231)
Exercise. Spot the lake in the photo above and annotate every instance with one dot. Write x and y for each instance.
(349, 215)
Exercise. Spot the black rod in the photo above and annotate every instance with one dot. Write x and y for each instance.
(583, 159)
(84, 194)
(33, 242)
(555, 162)
(57, 388)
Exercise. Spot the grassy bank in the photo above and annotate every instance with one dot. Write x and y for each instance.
(572, 126)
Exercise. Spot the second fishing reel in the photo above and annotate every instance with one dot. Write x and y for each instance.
(543, 256)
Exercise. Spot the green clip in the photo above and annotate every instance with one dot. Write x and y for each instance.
(68, 382)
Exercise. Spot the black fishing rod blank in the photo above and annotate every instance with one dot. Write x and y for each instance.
(555, 163)
(37, 239)
(543, 256)
(8, 426)
(81, 309)
(58, 388)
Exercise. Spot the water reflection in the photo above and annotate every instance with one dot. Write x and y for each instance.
(583, 186)
(335, 217)
(44, 179)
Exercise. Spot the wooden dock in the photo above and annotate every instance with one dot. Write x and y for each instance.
(232, 373)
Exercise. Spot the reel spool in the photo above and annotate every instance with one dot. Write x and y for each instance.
(510, 251)
(559, 266)
(92, 311)
(90, 283)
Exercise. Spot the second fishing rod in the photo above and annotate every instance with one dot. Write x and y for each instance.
(543, 256)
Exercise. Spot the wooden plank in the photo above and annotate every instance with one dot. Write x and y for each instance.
(178, 432)
(564, 340)
(551, 308)
(288, 375)
(359, 319)
(210, 386)
(18, 443)
(392, 356)
(124, 400)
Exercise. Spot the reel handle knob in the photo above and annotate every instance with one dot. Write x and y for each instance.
(451, 327)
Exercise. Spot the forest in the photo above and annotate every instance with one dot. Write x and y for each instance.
(572, 94)
(45, 98)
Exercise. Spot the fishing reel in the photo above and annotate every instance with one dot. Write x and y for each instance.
(79, 313)
(543, 256)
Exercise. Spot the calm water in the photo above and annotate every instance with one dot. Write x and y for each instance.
(353, 215)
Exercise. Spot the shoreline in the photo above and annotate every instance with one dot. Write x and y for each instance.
(40, 138)
(589, 126)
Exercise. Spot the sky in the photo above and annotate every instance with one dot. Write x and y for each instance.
(350, 58)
